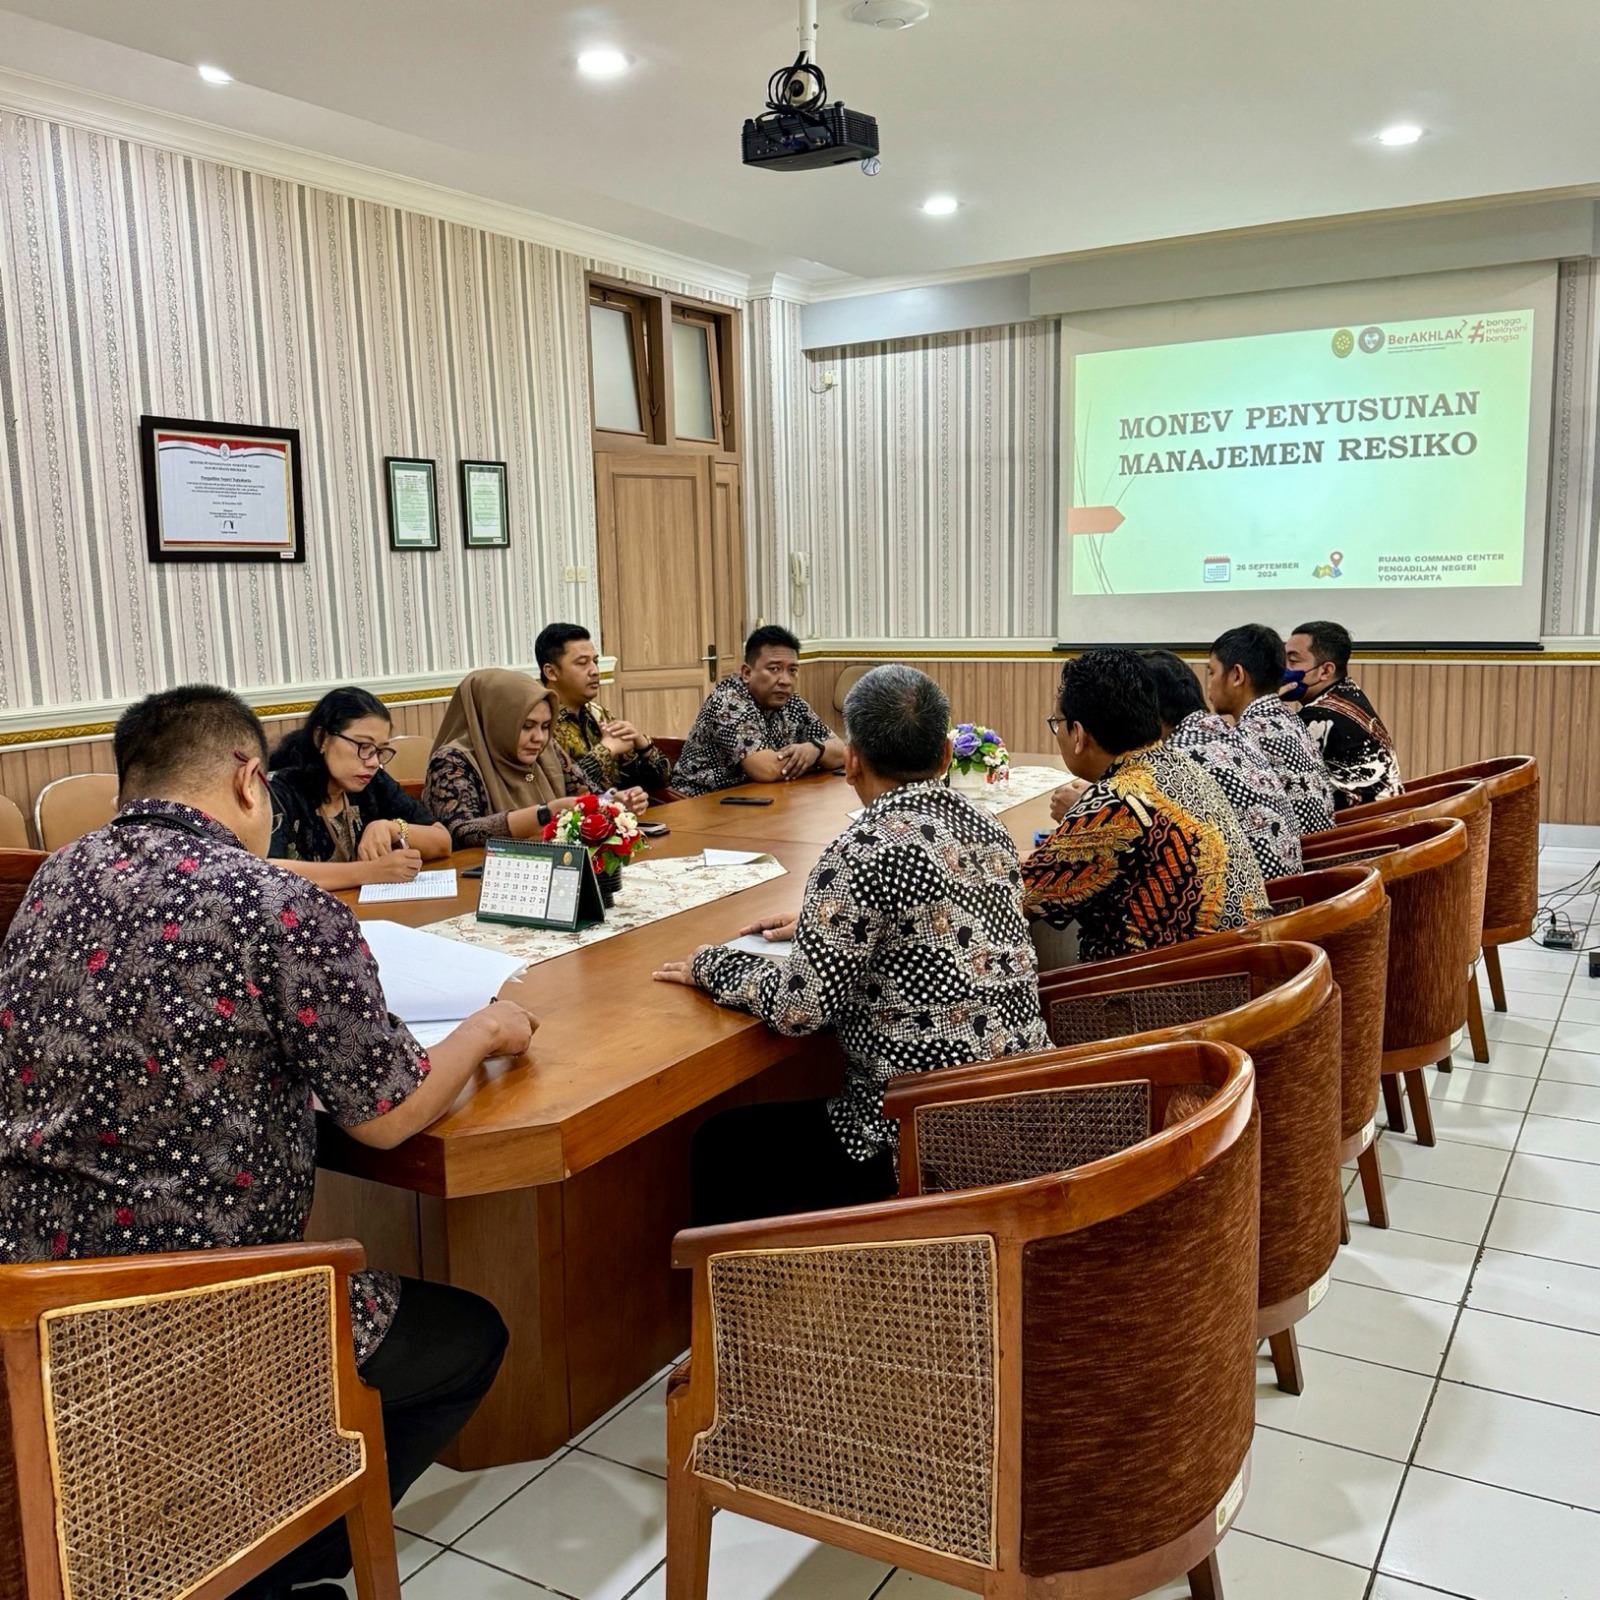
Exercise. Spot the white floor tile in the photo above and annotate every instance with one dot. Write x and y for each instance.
(443, 1503)
(1527, 956)
(1518, 1027)
(1577, 1101)
(1541, 1230)
(752, 1561)
(1387, 1588)
(1572, 1066)
(1559, 1136)
(1456, 1166)
(1475, 1086)
(585, 1527)
(1459, 1214)
(1490, 1544)
(1394, 1330)
(1406, 1263)
(1537, 1290)
(454, 1577)
(1252, 1569)
(1556, 1365)
(1516, 1060)
(1577, 1036)
(626, 1401)
(1499, 1439)
(1523, 982)
(1583, 1005)
(1455, 1122)
(1556, 1183)
(1383, 1421)
(636, 1436)
(1319, 1497)
(1525, 1004)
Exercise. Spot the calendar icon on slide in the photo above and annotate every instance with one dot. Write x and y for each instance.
(1217, 569)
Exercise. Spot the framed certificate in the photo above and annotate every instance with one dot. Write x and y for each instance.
(539, 885)
(221, 492)
(413, 506)
(483, 505)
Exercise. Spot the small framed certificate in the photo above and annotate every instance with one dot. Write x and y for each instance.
(221, 491)
(483, 505)
(539, 885)
(413, 506)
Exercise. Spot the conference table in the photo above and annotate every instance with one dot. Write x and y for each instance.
(554, 1187)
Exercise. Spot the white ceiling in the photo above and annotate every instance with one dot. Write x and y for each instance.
(1061, 125)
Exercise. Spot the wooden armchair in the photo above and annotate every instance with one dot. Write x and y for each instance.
(73, 806)
(17, 868)
(1511, 898)
(1469, 800)
(13, 826)
(1426, 869)
(1023, 1389)
(172, 1425)
(1345, 913)
(1279, 1002)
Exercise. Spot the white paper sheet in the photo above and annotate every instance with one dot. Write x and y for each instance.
(429, 979)
(733, 858)
(439, 885)
(754, 945)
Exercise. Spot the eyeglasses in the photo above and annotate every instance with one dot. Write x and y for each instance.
(383, 754)
(1055, 725)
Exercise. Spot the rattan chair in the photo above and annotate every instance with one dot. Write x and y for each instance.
(13, 826)
(411, 752)
(1345, 913)
(1021, 1389)
(1279, 1002)
(71, 807)
(17, 868)
(1426, 869)
(177, 1423)
(1469, 800)
(1511, 899)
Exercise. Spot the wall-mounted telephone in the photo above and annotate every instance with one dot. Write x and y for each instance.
(799, 581)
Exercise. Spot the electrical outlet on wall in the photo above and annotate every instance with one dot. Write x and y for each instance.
(574, 574)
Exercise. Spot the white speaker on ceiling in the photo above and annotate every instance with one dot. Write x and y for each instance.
(889, 14)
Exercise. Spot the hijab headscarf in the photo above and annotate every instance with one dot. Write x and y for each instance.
(484, 722)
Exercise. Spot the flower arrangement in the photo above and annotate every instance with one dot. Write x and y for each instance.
(609, 831)
(979, 752)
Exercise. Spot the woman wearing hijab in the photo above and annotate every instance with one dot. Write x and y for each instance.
(494, 772)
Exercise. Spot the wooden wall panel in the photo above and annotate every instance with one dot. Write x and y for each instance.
(1442, 713)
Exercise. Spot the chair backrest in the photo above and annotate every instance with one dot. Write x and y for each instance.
(670, 748)
(1084, 1332)
(13, 826)
(174, 1470)
(71, 807)
(1511, 898)
(1439, 799)
(1279, 1002)
(848, 678)
(410, 764)
(1427, 871)
(17, 868)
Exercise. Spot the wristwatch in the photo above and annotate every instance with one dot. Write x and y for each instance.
(541, 815)
(822, 747)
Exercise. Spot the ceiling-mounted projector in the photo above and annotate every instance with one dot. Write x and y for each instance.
(799, 129)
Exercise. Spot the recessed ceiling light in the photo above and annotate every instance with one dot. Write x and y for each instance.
(602, 63)
(216, 75)
(940, 205)
(1400, 133)
(890, 15)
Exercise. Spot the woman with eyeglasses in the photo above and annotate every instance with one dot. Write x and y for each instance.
(338, 818)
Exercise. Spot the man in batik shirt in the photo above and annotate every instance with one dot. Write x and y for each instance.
(1151, 852)
(1243, 678)
(1243, 773)
(1357, 750)
(169, 1003)
(754, 728)
(910, 942)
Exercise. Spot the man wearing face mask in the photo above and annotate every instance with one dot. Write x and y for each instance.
(1356, 748)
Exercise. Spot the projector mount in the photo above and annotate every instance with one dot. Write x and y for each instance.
(804, 86)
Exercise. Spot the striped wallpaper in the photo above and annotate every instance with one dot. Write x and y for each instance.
(134, 280)
(1572, 592)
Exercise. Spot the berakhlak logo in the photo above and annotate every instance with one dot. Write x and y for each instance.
(1343, 343)
(1371, 340)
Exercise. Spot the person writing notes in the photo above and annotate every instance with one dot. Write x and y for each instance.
(495, 772)
(754, 728)
(910, 941)
(169, 1003)
(606, 752)
(340, 819)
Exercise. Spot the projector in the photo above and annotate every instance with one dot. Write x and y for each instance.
(797, 141)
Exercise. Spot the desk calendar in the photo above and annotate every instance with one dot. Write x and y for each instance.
(539, 885)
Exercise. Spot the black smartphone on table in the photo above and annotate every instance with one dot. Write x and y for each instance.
(745, 800)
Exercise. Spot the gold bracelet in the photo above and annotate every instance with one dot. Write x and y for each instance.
(400, 828)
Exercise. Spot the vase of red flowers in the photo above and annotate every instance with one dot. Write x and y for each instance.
(610, 833)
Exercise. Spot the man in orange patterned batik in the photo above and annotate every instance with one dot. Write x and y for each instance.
(1151, 852)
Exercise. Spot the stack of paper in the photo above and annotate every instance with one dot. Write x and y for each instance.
(733, 858)
(754, 944)
(431, 983)
(440, 885)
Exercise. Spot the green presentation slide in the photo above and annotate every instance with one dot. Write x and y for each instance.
(1361, 457)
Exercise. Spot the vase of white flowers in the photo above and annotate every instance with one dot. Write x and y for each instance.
(978, 758)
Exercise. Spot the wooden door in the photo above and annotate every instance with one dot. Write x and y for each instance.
(727, 566)
(657, 614)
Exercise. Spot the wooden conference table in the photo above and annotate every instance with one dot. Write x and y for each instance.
(555, 1189)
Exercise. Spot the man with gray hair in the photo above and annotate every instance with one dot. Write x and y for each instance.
(910, 942)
